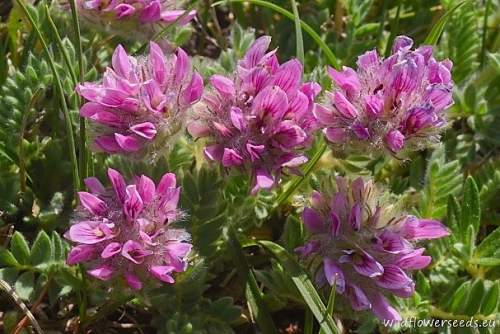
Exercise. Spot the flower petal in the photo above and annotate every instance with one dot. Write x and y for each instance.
(94, 185)
(92, 203)
(128, 143)
(231, 158)
(357, 297)
(382, 309)
(334, 274)
(121, 62)
(162, 273)
(419, 229)
(146, 189)
(145, 130)
(133, 204)
(111, 249)
(103, 272)
(223, 85)
(312, 220)
(118, 183)
(132, 281)
(81, 253)
(393, 278)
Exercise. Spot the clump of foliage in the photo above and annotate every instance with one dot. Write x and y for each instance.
(337, 177)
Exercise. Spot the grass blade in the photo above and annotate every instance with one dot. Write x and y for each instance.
(394, 29)
(283, 197)
(252, 291)
(60, 93)
(305, 287)
(331, 301)
(485, 31)
(298, 32)
(307, 28)
(79, 53)
(438, 27)
(60, 44)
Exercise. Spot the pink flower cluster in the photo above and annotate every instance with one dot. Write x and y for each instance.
(391, 104)
(126, 231)
(359, 243)
(137, 11)
(140, 104)
(260, 119)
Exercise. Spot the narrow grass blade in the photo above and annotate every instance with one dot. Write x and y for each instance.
(394, 29)
(307, 28)
(79, 52)
(305, 287)
(60, 93)
(60, 44)
(438, 27)
(298, 32)
(308, 322)
(485, 32)
(331, 301)
(252, 291)
(283, 197)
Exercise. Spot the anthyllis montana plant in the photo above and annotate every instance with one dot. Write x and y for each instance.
(127, 231)
(139, 108)
(360, 242)
(201, 167)
(260, 119)
(136, 19)
(395, 104)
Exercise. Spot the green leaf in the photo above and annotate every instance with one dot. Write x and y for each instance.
(25, 285)
(489, 244)
(331, 302)
(293, 233)
(459, 296)
(7, 259)
(20, 248)
(59, 251)
(41, 250)
(307, 28)
(475, 297)
(304, 285)
(453, 216)
(298, 32)
(471, 211)
(491, 299)
(9, 275)
(442, 179)
(438, 27)
(486, 261)
(252, 292)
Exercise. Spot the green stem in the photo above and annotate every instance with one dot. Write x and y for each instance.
(308, 322)
(485, 29)
(438, 313)
(307, 28)
(162, 32)
(106, 309)
(79, 53)
(394, 29)
(298, 33)
(253, 294)
(59, 42)
(60, 93)
(283, 197)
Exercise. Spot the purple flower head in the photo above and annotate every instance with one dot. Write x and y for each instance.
(125, 231)
(259, 119)
(140, 105)
(395, 104)
(140, 18)
(359, 243)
